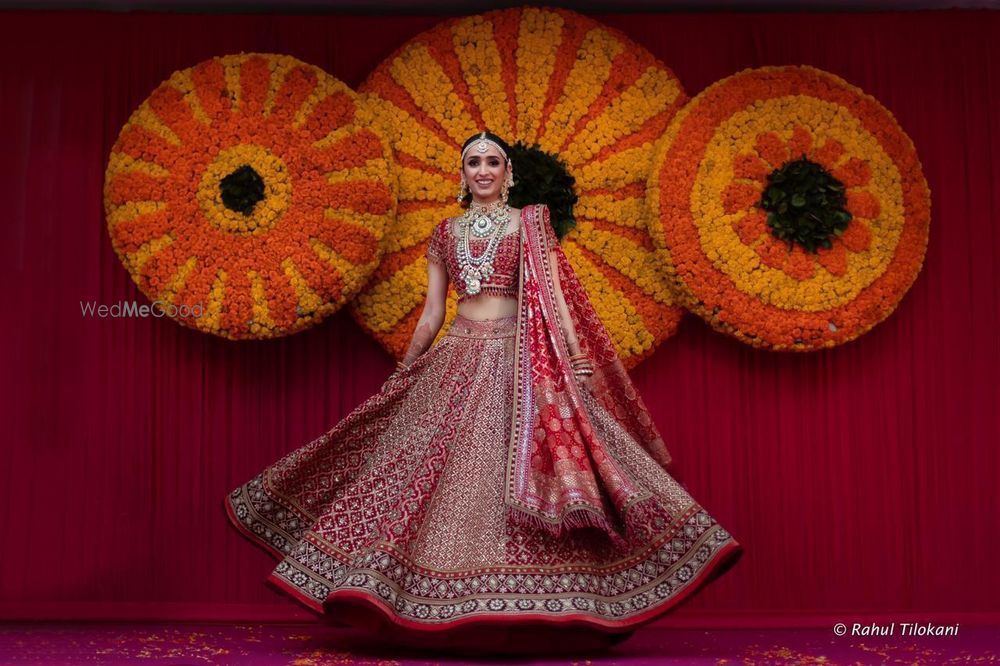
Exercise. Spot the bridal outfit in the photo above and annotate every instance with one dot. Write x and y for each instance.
(486, 484)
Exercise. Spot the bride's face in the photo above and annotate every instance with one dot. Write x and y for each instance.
(484, 173)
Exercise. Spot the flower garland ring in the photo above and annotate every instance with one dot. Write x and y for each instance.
(545, 79)
(252, 192)
(791, 209)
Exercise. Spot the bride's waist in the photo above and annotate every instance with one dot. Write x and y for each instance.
(495, 327)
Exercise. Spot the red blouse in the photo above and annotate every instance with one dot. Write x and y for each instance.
(506, 265)
(503, 282)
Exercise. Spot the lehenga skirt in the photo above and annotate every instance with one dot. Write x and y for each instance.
(399, 508)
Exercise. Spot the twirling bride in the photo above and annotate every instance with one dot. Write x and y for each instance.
(507, 476)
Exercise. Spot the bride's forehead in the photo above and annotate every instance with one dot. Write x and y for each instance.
(491, 151)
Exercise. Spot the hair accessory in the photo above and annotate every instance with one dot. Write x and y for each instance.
(482, 144)
(508, 182)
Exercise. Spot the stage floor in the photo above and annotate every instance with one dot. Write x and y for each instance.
(316, 645)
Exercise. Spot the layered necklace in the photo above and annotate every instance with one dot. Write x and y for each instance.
(482, 220)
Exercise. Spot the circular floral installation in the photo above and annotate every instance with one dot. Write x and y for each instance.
(547, 80)
(790, 208)
(249, 195)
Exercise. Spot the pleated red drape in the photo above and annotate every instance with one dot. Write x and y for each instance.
(859, 478)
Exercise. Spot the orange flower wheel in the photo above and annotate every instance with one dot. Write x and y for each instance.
(579, 90)
(790, 208)
(249, 194)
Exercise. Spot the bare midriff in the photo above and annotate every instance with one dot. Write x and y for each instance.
(485, 306)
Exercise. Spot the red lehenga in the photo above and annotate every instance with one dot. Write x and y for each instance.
(485, 485)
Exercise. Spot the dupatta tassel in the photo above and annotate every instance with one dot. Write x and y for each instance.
(561, 475)
(572, 521)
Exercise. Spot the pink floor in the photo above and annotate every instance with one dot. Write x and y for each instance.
(315, 645)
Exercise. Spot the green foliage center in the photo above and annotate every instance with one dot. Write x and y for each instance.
(805, 204)
(242, 189)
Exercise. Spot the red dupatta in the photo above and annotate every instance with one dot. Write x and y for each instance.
(560, 473)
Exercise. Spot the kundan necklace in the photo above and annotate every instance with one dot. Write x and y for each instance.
(484, 220)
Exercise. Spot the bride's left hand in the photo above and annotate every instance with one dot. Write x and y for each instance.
(399, 371)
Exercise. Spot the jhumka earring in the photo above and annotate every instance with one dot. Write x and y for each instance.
(463, 189)
(508, 182)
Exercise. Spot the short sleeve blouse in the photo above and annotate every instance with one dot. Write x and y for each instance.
(441, 248)
(436, 248)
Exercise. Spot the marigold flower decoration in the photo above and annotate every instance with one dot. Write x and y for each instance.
(790, 208)
(579, 91)
(252, 192)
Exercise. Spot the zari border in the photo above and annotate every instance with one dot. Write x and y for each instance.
(699, 551)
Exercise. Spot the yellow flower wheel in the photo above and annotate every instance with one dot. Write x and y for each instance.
(790, 208)
(251, 194)
(580, 91)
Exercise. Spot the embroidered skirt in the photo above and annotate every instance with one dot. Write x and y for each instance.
(400, 508)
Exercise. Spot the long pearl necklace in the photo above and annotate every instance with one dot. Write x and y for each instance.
(486, 219)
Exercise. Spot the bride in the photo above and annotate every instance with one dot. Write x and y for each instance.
(508, 476)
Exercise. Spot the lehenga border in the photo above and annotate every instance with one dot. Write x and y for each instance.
(691, 553)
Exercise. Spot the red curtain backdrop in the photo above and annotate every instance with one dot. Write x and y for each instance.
(862, 478)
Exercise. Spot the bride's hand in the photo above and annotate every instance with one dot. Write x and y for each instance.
(400, 370)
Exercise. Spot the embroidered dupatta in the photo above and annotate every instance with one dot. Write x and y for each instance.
(560, 473)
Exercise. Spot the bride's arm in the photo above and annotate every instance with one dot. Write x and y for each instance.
(566, 321)
(432, 316)
(582, 366)
(569, 331)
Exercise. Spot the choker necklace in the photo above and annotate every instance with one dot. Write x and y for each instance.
(492, 217)
(481, 218)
